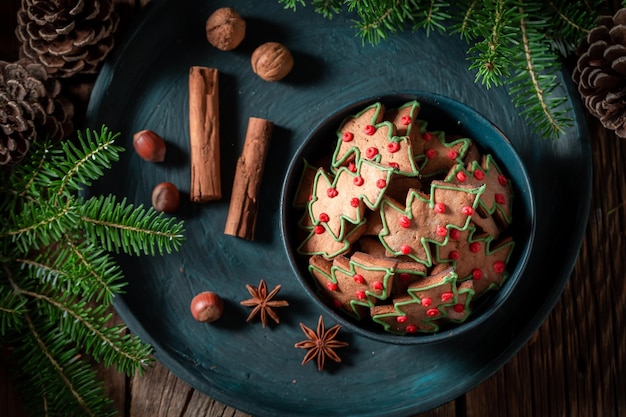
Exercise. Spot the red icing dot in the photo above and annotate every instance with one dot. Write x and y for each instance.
(393, 147)
(502, 180)
(377, 285)
(371, 152)
(467, 210)
(358, 278)
(381, 183)
(394, 165)
(324, 217)
(332, 192)
(427, 301)
(455, 234)
(500, 198)
(474, 247)
(405, 120)
(319, 229)
(354, 202)
(402, 319)
(337, 303)
(369, 130)
(310, 197)
(352, 167)
(477, 274)
(455, 255)
(459, 308)
(440, 207)
(404, 221)
(427, 136)
(461, 177)
(411, 328)
(347, 136)
(405, 249)
(431, 153)
(453, 154)
(442, 231)
(358, 181)
(447, 296)
(332, 286)
(360, 294)
(479, 175)
(499, 266)
(432, 312)
(404, 277)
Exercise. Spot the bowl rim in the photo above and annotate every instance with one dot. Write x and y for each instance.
(454, 107)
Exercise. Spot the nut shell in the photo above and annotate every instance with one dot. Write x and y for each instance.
(207, 307)
(149, 146)
(225, 29)
(272, 61)
(165, 197)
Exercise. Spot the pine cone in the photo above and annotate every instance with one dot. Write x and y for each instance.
(30, 107)
(67, 36)
(600, 72)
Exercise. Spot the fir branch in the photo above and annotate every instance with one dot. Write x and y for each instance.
(77, 268)
(79, 165)
(87, 327)
(58, 278)
(41, 223)
(46, 357)
(491, 57)
(122, 226)
(540, 109)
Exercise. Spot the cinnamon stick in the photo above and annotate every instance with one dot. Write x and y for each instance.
(204, 135)
(242, 212)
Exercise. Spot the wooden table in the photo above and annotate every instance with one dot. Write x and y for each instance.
(575, 365)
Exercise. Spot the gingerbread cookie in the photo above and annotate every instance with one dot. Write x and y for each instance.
(439, 155)
(367, 136)
(408, 230)
(358, 281)
(498, 196)
(423, 309)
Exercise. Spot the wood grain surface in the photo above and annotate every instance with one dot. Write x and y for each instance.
(574, 366)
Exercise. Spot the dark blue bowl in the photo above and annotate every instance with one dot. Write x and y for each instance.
(451, 116)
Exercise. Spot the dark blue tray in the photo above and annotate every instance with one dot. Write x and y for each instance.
(255, 369)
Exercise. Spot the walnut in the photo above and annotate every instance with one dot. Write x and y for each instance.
(225, 29)
(272, 61)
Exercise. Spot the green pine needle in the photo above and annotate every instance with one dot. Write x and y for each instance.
(58, 277)
(512, 44)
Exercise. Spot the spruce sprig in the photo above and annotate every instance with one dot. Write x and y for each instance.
(58, 277)
(514, 44)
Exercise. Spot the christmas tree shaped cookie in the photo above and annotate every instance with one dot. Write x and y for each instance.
(367, 136)
(479, 258)
(335, 202)
(424, 307)
(408, 230)
(355, 282)
(438, 155)
(498, 196)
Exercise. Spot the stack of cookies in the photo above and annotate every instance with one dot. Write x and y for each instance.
(402, 226)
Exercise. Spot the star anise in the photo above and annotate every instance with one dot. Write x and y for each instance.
(320, 343)
(263, 302)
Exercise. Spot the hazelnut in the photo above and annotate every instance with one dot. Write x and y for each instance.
(165, 197)
(225, 29)
(149, 146)
(206, 307)
(272, 61)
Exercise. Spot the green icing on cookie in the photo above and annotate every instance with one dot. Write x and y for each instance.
(368, 136)
(498, 195)
(426, 219)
